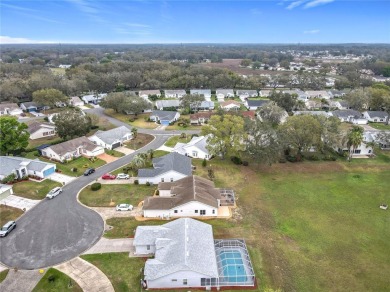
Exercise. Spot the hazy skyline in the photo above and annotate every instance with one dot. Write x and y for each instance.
(280, 21)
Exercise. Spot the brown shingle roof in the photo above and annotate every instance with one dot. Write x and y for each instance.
(35, 126)
(185, 190)
(226, 103)
(199, 115)
(72, 145)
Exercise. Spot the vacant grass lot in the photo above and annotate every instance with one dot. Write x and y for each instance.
(34, 190)
(81, 163)
(171, 142)
(140, 141)
(310, 226)
(61, 283)
(139, 120)
(8, 213)
(3, 275)
(112, 195)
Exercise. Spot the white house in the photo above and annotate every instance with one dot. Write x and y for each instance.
(246, 93)
(11, 109)
(146, 93)
(72, 149)
(318, 94)
(76, 101)
(224, 93)
(205, 92)
(376, 116)
(230, 105)
(187, 256)
(5, 191)
(196, 148)
(363, 150)
(167, 104)
(164, 117)
(95, 99)
(178, 93)
(203, 106)
(350, 116)
(191, 196)
(200, 118)
(22, 167)
(168, 168)
(253, 105)
(41, 130)
(113, 138)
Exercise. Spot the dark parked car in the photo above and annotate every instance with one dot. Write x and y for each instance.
(7, 228)
(89, 171)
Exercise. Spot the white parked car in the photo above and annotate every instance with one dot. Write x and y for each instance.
(123, 176)
(54, 192)
(124, 207)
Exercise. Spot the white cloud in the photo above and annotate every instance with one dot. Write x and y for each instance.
(316, 3)
(295, 4)
(313, 31)
(11, 40)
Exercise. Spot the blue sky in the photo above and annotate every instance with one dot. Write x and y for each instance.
(127, 21)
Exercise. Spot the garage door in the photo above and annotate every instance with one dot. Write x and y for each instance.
(48, 172)
(165, 123)
(116, 145)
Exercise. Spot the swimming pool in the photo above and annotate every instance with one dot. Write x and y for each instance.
(233, 266)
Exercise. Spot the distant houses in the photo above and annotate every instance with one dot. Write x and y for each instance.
(146, 93)
(165, 118)
(230, 105)
(376, 116)
(11, 109)
(206, 93)
(178, 93)
(94, 99)
(167, 104)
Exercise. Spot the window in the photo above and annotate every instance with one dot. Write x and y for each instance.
(213, 211)
(162, 179)
(171, 179)
(194, 153)
(175, 211)
(184, 281)
(174, 280)
(148, 247)
(357, 151)
(196, 211)
(369, 151)
(202, 212)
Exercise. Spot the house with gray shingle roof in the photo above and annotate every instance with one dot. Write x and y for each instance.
(41, 130)
(113, 138)
(224, 93)
(177, 93)
(10, 109)
(205, 92)
(164, 117)
(253, 105)
(168, 168)
(196, 148)
(376, 116)
(203, 106)
(167, 104)
(146, 93)
(350, 116)
(22, 167)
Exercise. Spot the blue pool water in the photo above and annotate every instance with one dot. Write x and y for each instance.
(233, 266)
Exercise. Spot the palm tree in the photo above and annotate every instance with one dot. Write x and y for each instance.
(138, 161)
(150, 153)
(354, 139)
(134, 131)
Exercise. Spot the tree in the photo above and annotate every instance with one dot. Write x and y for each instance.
(357, 99)
(226, 134)
(72, 123)
(330, 130)
(126, 103)
(191, 102)
(50, 97)
(245, 62)
(13, 135)
(271, 113)
(134, 131)
(301, 132)
(284, 100)
(263, 143)
(354, 139)
(138, 161)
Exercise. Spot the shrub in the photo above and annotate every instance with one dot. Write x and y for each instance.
(74, 169)
(245, 163)
(194, 135)
(312, 157)
(136, 182)
(96, 186)
(9, 178)
(282, 160)
(291, 158)
(204, 163)
(94, 127)
(131, 120)
(148, 184)
(329, 158)
(236, 160)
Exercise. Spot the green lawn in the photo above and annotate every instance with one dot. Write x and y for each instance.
(3, 275)
(122, 271)
(8, 213)
(379, 126)
(61, 283)
(38, 142)
(159, 153)
(140, 141)
(138, 121)
(81, 163)
(112, 195)
(114, 153)
(34, 190)
(171, 142)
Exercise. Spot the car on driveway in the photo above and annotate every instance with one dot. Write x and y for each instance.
(89, 171)
(108, 176)
(122, 176)
(124, 207)
(54, 193)
(7, 228)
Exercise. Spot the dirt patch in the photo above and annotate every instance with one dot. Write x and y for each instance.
(107, 158)
(140, 141)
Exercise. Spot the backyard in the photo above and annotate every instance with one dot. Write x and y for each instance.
(8, 213)
(34, 190)
(112, 195)
(310, 226)
(138, 121)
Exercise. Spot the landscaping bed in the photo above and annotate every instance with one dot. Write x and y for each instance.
(34, 190)
(54, 281)
(140, 141)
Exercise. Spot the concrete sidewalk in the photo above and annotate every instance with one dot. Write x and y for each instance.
(105, 245)
(88, 276)
(19, 202)
(21, 281)
(165, 148)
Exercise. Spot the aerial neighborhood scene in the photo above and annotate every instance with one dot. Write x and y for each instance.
(194, 146)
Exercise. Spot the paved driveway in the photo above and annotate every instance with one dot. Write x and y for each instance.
(105, 245)
(19, 202)
(124, 150)
(61, 178)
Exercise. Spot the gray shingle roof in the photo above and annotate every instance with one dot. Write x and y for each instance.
(33, 127)
(225, 91)
(204, 104)
(10, 106)
(9, 163)
(164, 115)
(185, 245)
(248, 91)
(167, 103)
(198, 142)
(346, 113)
(171, 161)
(257, 103)
(200, 91)
(377, 114)
(113, 135)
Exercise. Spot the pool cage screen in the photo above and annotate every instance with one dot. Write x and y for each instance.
(234, 264)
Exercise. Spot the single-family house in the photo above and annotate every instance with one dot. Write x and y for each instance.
(191, 196)
(203, 106)
(177, 93)
(76, 101)
(32, 107)
(336, 93)
(364, 149)
(92, 98)
(313, 104)
(376, 116)
(318, 94)
(146, 93)
(71, 149)
(5, 191)
(113, 138)
(350, 116)
(230, 105)
(167, 104)
(200, 118)
(196, 148)
(164, 117)
(23, 167)
(266, 93)
(224, 93)
(11, 109)
(382, 139)
(246, 93)
(186, 256)
(301, 95)
(41, 130)
(202, 92)
(253, 105)
(167, 168)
